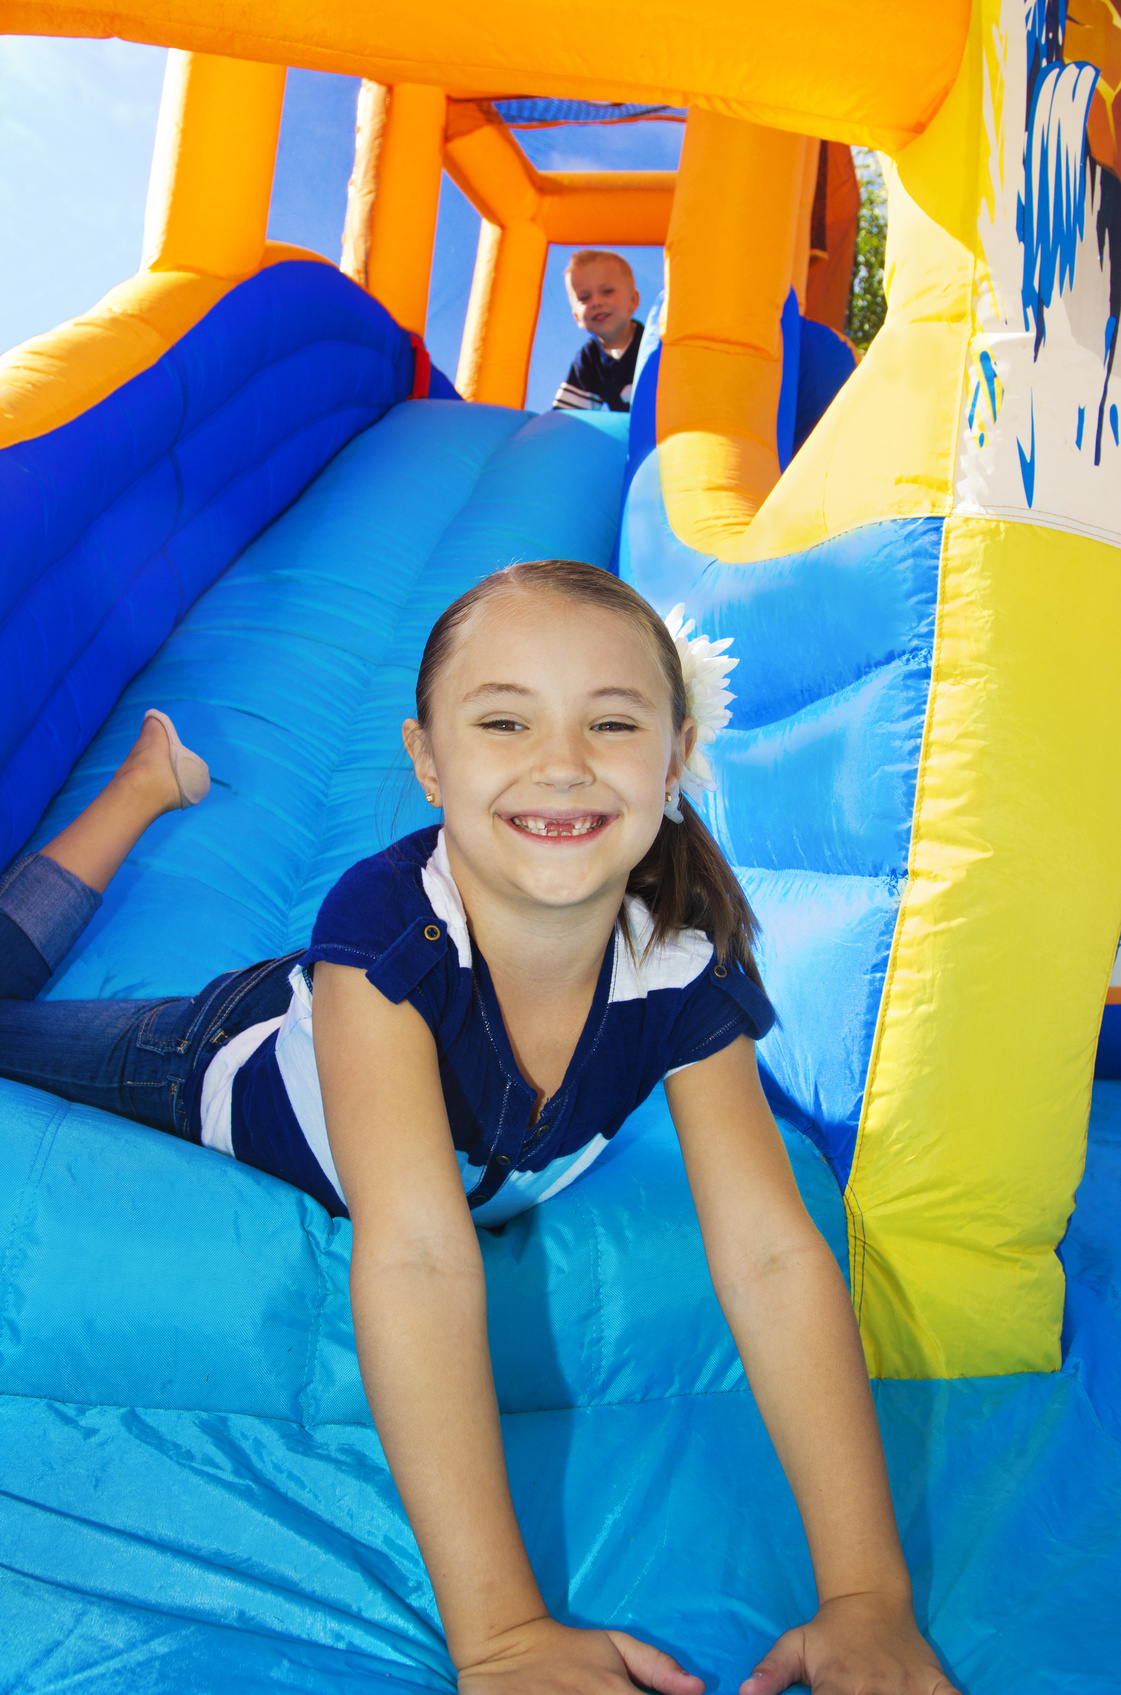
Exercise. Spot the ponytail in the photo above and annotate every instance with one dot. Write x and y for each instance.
(687, 884)
(684, 879)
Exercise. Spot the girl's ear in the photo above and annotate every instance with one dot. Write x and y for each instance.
(686, 742)
(418, 750)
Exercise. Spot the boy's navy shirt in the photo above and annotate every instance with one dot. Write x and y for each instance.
(399, 918)
(595, 379)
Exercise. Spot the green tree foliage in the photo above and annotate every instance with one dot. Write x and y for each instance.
(867, 305)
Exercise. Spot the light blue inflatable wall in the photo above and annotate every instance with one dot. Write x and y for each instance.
(815, 774)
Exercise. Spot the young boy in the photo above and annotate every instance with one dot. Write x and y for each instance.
(603, 297)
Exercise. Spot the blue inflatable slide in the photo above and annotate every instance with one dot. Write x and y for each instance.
(256, 535)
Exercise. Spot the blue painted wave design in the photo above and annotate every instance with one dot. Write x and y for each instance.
(1051, 212)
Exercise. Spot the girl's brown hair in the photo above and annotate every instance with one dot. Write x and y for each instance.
(684, 878)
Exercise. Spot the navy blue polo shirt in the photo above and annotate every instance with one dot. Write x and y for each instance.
(399, 918)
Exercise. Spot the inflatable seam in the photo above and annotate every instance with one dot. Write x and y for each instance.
(311, 1355)
(181, 437)
(373, 665)
(900, 656)
(78, 653)
(858, 1242)
(17, 1230)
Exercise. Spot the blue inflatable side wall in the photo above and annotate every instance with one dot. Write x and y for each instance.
(115, 523)
(816, 774)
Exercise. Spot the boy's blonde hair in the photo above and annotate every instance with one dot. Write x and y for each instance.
(595, 255)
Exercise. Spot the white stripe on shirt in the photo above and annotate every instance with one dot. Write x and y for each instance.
(218, 1084)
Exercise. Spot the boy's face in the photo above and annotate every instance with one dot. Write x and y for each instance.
(603, 300)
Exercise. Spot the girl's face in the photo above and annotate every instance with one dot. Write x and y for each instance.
(550, 749)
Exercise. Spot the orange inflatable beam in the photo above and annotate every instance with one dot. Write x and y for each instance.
(803, 237)
(860, 72)
(624, 208)
(484, 160)
(502, 313)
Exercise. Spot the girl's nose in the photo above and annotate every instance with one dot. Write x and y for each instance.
(561, 764)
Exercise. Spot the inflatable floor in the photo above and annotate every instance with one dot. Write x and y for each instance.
(193, 1495)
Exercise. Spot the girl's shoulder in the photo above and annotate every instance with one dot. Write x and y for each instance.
(673, 963)
(400, 901)
(683, 967)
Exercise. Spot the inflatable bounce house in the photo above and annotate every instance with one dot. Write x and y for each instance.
(236, 489)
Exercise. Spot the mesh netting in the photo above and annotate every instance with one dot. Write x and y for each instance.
(541, 114)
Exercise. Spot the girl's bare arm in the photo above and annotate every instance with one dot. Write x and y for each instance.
(789, 1312)
(419, 1301)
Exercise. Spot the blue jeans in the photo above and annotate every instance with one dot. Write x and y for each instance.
(142, 1059)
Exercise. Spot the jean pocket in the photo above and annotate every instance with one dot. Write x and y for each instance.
(166, 1029)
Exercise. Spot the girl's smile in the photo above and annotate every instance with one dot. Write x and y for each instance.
(560, 826)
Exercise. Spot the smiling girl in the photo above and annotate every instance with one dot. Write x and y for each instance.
(480, 1009)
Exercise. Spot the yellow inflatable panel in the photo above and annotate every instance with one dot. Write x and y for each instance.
(972, 1138)
(736, 58)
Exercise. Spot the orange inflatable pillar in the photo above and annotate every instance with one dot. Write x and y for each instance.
(394, 197)
(485, 161)
(803, 241)
(729, 266)
(502, 313)
(212, 167)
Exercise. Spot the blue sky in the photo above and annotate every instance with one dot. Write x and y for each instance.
(77, 120)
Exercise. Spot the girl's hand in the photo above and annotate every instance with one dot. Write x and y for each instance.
(546, 1658)
(855, 1645)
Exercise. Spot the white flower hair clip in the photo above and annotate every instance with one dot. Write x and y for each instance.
(705, 667)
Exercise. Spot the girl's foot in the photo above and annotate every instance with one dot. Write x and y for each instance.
(158, 775)
(192, 774)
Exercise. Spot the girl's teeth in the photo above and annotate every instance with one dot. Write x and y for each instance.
(554, 827)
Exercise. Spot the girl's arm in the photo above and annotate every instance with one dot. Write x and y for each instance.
(789, 1311)
(419, 1301)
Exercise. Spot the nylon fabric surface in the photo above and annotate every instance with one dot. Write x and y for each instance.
(256, 1538)
(815, 774)
(116, 521)
(295, 671)
(193, 1494)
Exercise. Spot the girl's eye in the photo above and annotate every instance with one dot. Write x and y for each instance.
(501, 724)
(613, 724)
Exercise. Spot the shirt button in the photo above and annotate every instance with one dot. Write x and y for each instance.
(431, 933)
(503, 1159)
